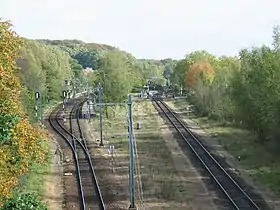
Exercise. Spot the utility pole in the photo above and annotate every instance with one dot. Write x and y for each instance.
(131, 144)
(100, 112)
(131, 154)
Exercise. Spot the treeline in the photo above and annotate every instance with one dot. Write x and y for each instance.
(241, 90)
(50, 66)
(45, 64)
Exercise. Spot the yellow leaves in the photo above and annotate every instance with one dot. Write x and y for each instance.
(7, 179)
(23, 147)
(9, 45)
(203, 69)
(9, 96)
(16, 156)
(6, 183)
(3, 155)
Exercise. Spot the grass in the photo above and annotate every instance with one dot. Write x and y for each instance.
(114, 128)
(257, 159)
(161, 182)
(162, 188)
(114, 185)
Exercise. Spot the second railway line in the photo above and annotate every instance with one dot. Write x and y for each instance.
(235, 194)
(90, 196)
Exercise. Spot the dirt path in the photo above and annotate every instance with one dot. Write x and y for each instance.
(53, 181)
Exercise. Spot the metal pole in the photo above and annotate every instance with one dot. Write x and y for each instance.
(87, 89)
(181, 90)
(100, 112)
(89, 111)
(64, 89)
(41, 107)
(63, 99)
(37, 97)
(36, 110)
(131, 154)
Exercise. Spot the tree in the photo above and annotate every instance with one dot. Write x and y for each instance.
(258, 82)
(177, 77)
(87, 58)
(276, 37)
(115, 75)
(201, 69)
(20, 142)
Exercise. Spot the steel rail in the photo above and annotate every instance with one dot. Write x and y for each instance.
(80, 186)
(83, 144)
(167, 110)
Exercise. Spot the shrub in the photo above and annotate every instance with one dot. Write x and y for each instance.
(28, 201)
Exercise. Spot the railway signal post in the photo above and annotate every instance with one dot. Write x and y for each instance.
(63, 96)
(37, 98)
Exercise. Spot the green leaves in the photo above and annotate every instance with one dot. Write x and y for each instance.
(7, 121)
(26, 201)
(87, 58)
(244, 89)
(44, 68)
(259, 83)
(116, 76)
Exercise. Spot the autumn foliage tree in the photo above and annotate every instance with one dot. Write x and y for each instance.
(20, 142)
(202, 70)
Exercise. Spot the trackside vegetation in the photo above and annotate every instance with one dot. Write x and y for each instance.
(238, 95)
(241, 92)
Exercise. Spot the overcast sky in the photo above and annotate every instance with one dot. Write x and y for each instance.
(149, 28)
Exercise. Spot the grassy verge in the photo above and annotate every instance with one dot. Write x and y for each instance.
(114, 128)
(161, 183)
(257, 159)
(155, 156)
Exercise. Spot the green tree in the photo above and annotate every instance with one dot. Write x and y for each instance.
(115, 75)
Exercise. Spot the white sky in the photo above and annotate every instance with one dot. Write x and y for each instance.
(149, 28)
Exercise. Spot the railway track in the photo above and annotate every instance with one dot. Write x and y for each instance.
(238, 198)
(89, 191)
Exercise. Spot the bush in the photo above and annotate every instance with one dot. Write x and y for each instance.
(28, 201)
